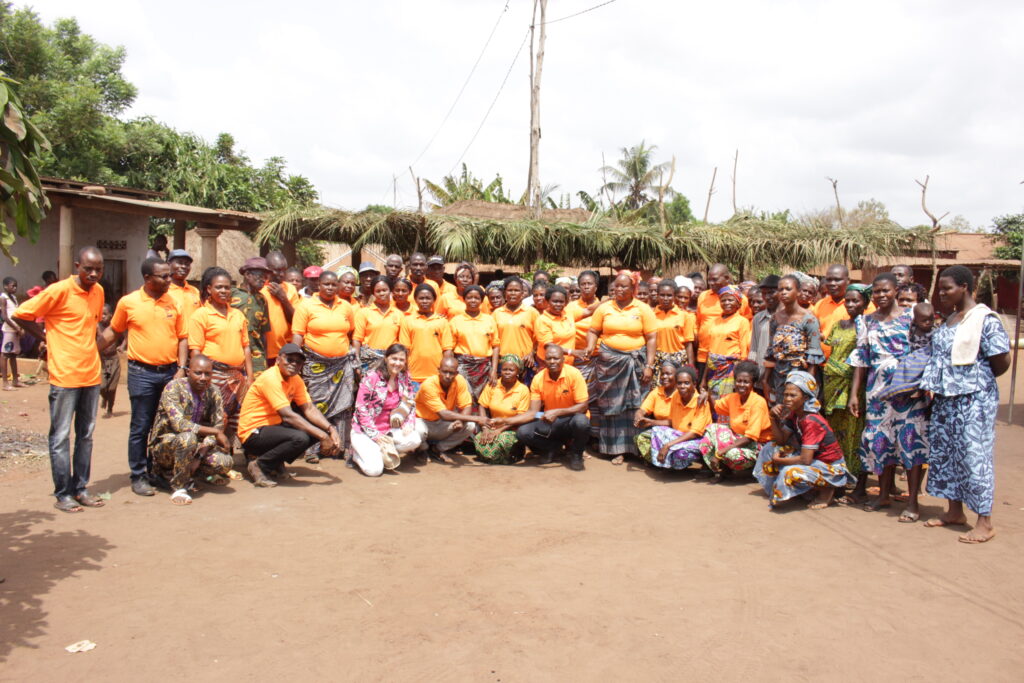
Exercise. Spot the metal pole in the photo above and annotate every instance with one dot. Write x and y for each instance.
(1016, 337)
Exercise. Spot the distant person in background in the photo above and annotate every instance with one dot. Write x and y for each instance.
(293, 276)
(904, 275)
(312, 277)
(110, 366)
(11, 335)
(159, 248)
(71, 310)
(368, 273)
(185, 295)
(393, 267)
(418, 269)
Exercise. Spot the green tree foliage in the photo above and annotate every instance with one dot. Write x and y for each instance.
(1009, 230)
(636, 176)
(21, 193)
(453, 189)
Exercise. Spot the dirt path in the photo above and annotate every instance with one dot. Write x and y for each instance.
(495, 573)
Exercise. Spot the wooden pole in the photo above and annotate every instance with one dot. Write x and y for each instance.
(419, 191)
(711, 191)
(1015, 342)
(735, 163)
(66, 241)
(536, 69)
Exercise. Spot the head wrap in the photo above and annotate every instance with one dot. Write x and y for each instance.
(731, 289)
(684, 282)
(806, 383)
(862, 289)
(564, 281)
(347, 269)
(513, 359)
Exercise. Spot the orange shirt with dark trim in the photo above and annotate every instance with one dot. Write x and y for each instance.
(70, 314)
(268, 394)
(154, 327)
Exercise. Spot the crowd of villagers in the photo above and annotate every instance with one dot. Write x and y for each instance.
(807, 387)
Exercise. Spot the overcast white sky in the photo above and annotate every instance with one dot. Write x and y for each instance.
(875, 93)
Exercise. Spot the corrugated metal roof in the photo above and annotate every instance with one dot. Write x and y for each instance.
(226, 218)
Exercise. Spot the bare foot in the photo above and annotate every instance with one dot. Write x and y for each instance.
(946, 521)
(978, 535)
(8, 387)
(852, 499)
(106, 416)
(19, 385)
(823, 499)
(445, 458)
(618, 460)
(877, 504)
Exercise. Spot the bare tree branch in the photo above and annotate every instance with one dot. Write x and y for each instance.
(662, 188)
(932, 234)
(711, 191)
(735, 162)
(835, 191)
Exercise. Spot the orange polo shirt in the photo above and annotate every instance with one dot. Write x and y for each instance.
(552, 330)
(709, 308)
(746, 419)
(474, 336)
(450, 304)
(729, 336)
(516, 329)
(267, 395)
(658, 403)
(505, 403)
(569, 389)
(675, 329)
(187, 298)
(439, 291)
(689, 417)
(70, 315)
(324, 329)
(219, 337)
(624, 329)
(375, 329)
(280, 329)
(828, 314)
(575, 310)
(427, 338)
(154, 327)
(431, 399)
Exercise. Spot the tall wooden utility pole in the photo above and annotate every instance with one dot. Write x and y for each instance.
(536, 67)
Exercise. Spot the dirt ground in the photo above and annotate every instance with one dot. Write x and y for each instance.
(495, 573)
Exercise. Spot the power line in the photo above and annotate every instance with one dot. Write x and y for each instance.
(464, 84)
(589, 9)
(493, 102)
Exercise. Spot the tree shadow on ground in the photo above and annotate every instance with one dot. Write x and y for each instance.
(32, 564)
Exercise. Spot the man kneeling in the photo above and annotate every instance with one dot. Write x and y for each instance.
(272, 433)
(558, 406)
(443, 411)
(188, 432)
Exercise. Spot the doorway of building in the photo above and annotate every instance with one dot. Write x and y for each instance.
(113, 280)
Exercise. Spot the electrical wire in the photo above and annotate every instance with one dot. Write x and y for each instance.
(589, 9)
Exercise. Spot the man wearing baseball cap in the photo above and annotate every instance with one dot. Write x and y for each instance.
(184, 295)
(271, 431)
(435, 276)
(367, 274)
(249, 300)
(312, 275)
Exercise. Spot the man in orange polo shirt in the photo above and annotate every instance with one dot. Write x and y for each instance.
(282, 298)
(558, 407)
(185, 295)
(443, 411)
(157, 353)
(71, 310)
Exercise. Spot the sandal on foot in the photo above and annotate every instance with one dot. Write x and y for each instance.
(938, 521)
(181, 497)
(908, 517)
(67, 504)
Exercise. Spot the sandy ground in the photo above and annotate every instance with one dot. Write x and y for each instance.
(495, 573)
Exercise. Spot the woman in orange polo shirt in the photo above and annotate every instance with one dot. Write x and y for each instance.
(675, 328)
(506, 403)
(220, 333)
(728, 343)
(348, 283)
(427, 336)
(517, 326)
(581, 310)
(678, 446)
(400, 293)
(452, 303)
(476, 342)
(554, 325)
(656, 410)
(626, 329)
(376, 326)
(322, 327)
(732, 446)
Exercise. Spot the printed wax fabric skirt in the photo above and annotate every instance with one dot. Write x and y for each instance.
(504, 449)
(330, 381)
(476, 370)
(661, 357)
(717, 450)
(615, 394)
(681, 456)
(368, 358)
(720, 379)
(961, 436)
(895, 433)
(229, 380)
(111, 374)
(787, 482)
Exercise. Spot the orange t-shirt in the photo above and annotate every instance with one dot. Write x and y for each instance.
(729, 336)
(280, 329)
(267, 395)
(708, 309)
(624, 329)
(377, 330)
(219, 337)
(675, 329)
(658, 404)
(450, 304)
(516, 329)
(154, 327)
(689, 417)
(552, 330)
(746, 419)
(569, 389)
(575, 310)
(474, 336)
(427, 338)
(502, 403)
(70, 315)
(431, 399)
(324, 329)
(187, 298)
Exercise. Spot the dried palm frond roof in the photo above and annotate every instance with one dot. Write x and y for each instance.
(744, 242)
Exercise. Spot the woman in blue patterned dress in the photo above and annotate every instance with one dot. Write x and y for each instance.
(968, 353)
(895, 430)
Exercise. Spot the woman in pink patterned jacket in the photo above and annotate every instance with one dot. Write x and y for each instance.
(385, 414)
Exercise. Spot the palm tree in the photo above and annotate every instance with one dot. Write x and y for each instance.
(453, 189)
(634, 175)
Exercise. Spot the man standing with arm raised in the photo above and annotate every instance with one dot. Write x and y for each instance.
(71, 310)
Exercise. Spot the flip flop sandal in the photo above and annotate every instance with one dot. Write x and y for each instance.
(182, 496)
(908, 517)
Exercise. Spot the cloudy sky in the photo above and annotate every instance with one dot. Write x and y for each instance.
(874, 93)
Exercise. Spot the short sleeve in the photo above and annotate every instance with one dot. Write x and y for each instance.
(648, 405)
(298, 390)
(464, 399)
(597, 320)
(701, 420)
(404, 333)
(812, 432)
(300, 319)
(181, 324)
(759, 420)
(860, 357)
(431, 399)
(994, 340)
(649, 320)
(196, 331)
(689, 327)
(536, 385)
(485, 396)
(523, 404)
(245, 330)
(722, 405)
(543, 332)
(275, 395)
(119, 321)
(579, 389)
(38, 306)
(447, 340)
(495, 339)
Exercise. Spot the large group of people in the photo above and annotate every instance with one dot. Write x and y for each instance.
(807, 387)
